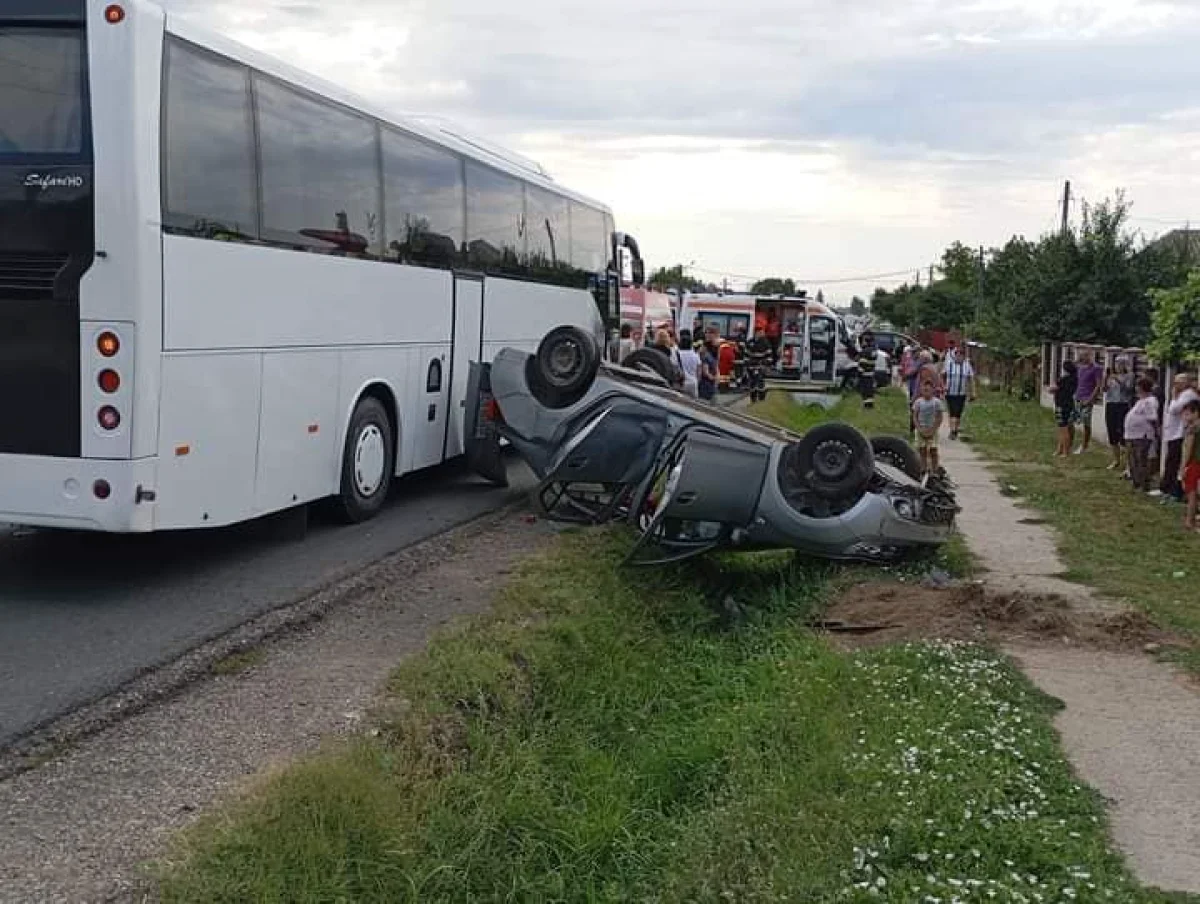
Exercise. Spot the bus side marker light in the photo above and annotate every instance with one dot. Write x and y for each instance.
(314, 428)
(181, 451)
(114, 14)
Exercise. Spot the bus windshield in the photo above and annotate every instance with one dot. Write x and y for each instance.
(41, 91)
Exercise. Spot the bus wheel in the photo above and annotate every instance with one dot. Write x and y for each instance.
(368, 462)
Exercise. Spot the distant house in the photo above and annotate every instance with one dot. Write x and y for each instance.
(1185, 241)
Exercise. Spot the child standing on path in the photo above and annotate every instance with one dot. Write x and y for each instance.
(928, 412)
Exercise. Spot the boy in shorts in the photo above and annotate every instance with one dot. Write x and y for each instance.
(928, 411)
(1189, 469)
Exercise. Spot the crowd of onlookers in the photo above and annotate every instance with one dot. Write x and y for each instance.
(1143, 421)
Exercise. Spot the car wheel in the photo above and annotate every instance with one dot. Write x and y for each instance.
(652, 360)
(368, 463)
(564, 367)
(835, 461)
(895, 451)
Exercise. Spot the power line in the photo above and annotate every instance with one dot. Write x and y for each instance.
(908, 271)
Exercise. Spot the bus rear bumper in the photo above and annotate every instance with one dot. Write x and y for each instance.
(61, 493)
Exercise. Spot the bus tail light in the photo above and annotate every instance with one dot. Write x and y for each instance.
(109, 417)
(109, 380)
(101, 489)
(108, 344)
(114, 14)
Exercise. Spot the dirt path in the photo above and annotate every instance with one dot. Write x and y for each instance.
(1131, 726)
(77, 828)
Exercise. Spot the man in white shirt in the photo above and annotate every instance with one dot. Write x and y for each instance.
(958, 378)
(1184, 391)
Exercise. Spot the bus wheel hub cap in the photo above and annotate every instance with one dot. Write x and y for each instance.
(370, 455)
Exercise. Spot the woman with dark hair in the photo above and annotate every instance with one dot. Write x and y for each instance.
(1118, 398)
(1064, 408)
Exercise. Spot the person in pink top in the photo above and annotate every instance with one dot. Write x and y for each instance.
(1141, 433)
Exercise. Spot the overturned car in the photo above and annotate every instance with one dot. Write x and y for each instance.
(616, 442)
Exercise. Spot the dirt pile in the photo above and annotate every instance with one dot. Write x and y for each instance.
(874, 614)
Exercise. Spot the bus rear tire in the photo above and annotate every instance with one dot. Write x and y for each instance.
(368, 463)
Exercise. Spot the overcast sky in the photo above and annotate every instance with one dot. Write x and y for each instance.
(809, 138)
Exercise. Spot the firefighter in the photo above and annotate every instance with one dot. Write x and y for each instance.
(758, 358)
(866, 369)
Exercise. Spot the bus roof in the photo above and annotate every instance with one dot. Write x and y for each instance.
(431, 128)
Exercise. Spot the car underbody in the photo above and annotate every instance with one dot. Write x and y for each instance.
(614, 443)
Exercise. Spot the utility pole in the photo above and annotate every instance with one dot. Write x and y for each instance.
(1066, 208)
(979, 289)
(931, 274)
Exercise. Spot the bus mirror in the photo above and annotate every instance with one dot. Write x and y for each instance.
(639, 272)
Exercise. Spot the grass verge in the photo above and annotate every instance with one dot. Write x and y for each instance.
(606, 735)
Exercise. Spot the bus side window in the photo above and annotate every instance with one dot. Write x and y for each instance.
(433, 382)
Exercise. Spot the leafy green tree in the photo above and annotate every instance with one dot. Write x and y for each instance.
(960, 266)
(1176, 322)
(675, 278)
(774, 285)
(858, 307)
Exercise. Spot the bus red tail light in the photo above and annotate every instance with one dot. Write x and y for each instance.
(108, 344)
(109, 417)
(114, 14)
(109, 381)
(101, 489)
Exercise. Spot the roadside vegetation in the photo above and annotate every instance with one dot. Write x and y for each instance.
(1123, 544)
(674, 735)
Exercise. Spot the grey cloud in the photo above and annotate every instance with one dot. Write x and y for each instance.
(780, 70)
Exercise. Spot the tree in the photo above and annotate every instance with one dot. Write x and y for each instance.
(858, 307)
(820, 296)
(960, 266)
(1176, 322)
(774, 286)
(674, 278)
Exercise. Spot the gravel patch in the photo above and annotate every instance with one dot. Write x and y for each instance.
(77, 826)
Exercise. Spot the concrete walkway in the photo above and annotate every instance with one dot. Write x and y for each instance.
(1131, 726)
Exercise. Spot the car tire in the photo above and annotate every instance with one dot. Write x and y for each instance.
(652, 359)
(564, 367)
(896, 451)
(368, 463)
(836, 462)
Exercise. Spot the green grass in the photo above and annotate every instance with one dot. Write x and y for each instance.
(606, 735)
(1122, 543)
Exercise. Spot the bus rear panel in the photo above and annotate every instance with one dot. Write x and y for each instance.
(46, 222)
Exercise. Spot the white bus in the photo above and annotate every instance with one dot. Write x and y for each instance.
(227, 288)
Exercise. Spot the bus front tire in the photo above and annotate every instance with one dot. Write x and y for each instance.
(368, 463)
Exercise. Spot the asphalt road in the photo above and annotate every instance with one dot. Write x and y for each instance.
(80, 614)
